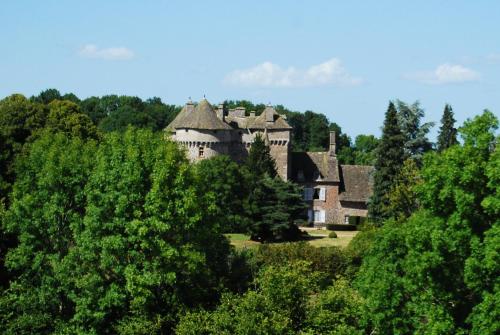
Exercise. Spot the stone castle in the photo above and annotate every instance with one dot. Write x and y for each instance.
(335, 193)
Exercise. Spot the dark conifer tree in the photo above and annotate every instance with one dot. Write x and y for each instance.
(447, 132)
(259, 161)
(389, 159)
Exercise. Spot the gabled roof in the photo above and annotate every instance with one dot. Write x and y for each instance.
(200, 117)
(260, 121)
(357, 183)
(314, 166)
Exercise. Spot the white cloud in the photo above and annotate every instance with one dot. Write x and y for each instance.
(269, 74)
(446, 74)
(114, 53)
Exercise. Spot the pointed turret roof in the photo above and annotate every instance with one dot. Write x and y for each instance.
(261, 122)
(200, 117)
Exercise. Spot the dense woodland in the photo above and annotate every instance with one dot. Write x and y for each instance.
(106, 228)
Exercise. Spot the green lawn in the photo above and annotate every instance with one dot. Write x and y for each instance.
(317, 238)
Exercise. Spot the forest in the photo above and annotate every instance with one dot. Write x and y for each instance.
(106, 228)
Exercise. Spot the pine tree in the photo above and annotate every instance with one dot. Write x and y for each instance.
(389, 159)
(447, 132)
(259, 161)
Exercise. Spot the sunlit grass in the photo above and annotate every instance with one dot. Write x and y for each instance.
(318, 238)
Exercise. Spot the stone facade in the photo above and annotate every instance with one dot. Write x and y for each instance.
(334, 192)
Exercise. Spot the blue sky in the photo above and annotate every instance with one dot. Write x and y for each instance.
(345, 59)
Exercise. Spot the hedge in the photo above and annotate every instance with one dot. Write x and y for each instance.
(344, 227)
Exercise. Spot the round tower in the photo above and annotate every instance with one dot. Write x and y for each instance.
(201, 131)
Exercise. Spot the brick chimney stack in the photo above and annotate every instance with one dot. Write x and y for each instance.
(333, 146)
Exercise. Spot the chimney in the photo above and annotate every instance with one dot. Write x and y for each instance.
(220, 112)
(252, 113)
(189, 106)
(332, 144)
(239, 112)
(269, 111)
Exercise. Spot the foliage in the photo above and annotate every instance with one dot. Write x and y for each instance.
(416, 142)
(259, 162)
(327, 262)
(403, 200)
(365, 147)
(413, 277)
(388, 163)
(336, 310)
(222, 177)
(341, 227)
(112, 237)
(65, 116)
(276, 306)
(275, 209)
(447, 132)
(48, 204)
(19, 118)
(332, 234)
(286, 300)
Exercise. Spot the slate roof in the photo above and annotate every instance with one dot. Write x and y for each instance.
(200, 117)
(313, 165)
(260, 121)
(356, 183)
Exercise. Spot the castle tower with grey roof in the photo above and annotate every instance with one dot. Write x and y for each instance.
(206, 132)
(335, 193)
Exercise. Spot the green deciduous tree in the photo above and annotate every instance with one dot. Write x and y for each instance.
(48, 204)
(365, 147)
(447, 132)
(111, 239)
(389, 159)
(223, 177)
(433, 273)
(19, 119)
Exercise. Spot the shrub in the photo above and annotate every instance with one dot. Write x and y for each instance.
(329, 261)
(341, 227)
(332, 235)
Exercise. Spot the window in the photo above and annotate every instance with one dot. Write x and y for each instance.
(201, 152)
(319, 193)
(319, 216)
(346, 219)
(310, 215)
(308, 194)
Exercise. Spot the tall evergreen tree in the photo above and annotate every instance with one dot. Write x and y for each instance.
(447, 132)
(390, 157)
(414, 132)
(259, 161)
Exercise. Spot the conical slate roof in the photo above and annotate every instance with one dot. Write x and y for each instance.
(200, 117)
(186, 110)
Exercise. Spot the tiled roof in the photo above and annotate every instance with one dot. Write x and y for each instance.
(356, 182)
(314, 166)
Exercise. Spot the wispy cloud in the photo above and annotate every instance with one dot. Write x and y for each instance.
(113, 53)
(493, 58)
(445, 74)
(269, 74)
